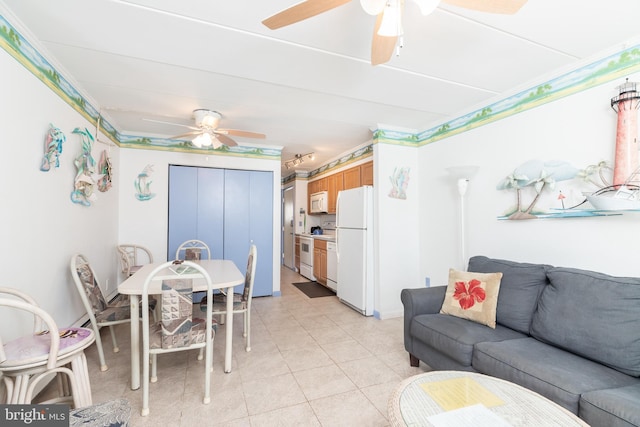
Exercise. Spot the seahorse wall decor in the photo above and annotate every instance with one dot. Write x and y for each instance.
(104, 167)
(52, 148)
(83, 192)
(399, 181)
(143, 184)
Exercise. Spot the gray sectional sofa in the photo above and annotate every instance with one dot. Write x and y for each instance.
(571, 335)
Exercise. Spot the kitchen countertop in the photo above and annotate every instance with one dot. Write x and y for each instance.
(327, 237)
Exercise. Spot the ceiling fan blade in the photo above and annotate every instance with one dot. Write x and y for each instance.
(226, 140)
(301, 11)
(242, 133)
(381, 46)
(507, 7)
(186, 135)
(170, 123)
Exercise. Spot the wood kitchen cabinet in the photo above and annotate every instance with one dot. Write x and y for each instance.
(366, 173)
(351, 178)
(335, 184)
(320, 260)
(356, 176)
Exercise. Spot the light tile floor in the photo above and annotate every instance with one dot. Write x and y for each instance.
(313, 362)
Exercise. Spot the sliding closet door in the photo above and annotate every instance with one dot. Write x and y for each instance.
(261, 226)
(183, 207)
(211, 210)
(248, 213)
(228, 210)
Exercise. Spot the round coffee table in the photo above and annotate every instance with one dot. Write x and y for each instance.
(418, 399)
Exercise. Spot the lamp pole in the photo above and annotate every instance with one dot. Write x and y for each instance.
(463, 184)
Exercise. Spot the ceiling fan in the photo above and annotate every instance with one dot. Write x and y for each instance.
(388, 26)
(206, 132)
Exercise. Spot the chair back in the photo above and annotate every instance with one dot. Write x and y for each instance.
(177, 306)
(132, 256)
(51, 327)
(194, 250)
(38, 323)
(177, 312)
(250, 274)
(87, 284)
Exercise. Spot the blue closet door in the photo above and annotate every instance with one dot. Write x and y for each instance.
(228, 210)
(183, 207)
(236, 218)
(210, 221)
(261, 229)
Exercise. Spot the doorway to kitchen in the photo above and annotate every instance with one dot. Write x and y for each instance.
(288, 235)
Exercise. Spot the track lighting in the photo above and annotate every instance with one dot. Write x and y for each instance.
(298, 160)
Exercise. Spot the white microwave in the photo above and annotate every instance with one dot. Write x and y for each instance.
(319, 202)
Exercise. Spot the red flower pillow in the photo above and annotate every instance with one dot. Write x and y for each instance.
(472, 296)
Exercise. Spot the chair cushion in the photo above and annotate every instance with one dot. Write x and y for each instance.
(112, 314)
(520, 288)
(34, 349)
(196, 335)
(192, 254)
(177, 309)
(592, 314)
(91, 288)
(220, 303)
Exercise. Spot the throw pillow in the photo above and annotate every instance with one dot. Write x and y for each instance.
(472, 296)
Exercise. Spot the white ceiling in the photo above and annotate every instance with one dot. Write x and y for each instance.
(309, 86)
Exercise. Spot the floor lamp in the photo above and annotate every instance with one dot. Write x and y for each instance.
(462, 175)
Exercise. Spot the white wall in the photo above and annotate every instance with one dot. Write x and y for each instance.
(41, 227)
(397, 225)
(145, 222)
(579, 129)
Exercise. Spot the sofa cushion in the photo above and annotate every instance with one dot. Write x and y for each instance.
(592, 314)
(618, 407)
(554, 373)
(472, 296)
(520, 287)
(455, 336)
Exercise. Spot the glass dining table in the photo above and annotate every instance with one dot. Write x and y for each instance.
(224, 275)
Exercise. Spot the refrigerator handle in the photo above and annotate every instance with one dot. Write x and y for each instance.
(338, 210)
(337, 226)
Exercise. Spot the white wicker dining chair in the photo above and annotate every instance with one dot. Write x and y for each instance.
(133, 257)
(193, 250)
(241, 302)
(29, 359)
(100, 312)
(177, 330)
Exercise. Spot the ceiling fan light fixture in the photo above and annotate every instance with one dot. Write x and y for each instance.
(202, 140)
(207, 118)
(391, 25)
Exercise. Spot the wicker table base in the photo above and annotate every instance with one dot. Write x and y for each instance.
(419, 397)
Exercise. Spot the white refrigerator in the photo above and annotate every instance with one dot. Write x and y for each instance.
(354, 241)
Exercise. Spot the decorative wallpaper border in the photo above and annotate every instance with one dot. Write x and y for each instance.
(615, 66)
(359, 154)
(22, 51)
(599, 72)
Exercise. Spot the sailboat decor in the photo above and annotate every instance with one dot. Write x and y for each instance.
(143, 184)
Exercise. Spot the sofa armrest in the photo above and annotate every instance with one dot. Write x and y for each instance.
(422, 300)
(419, 301)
